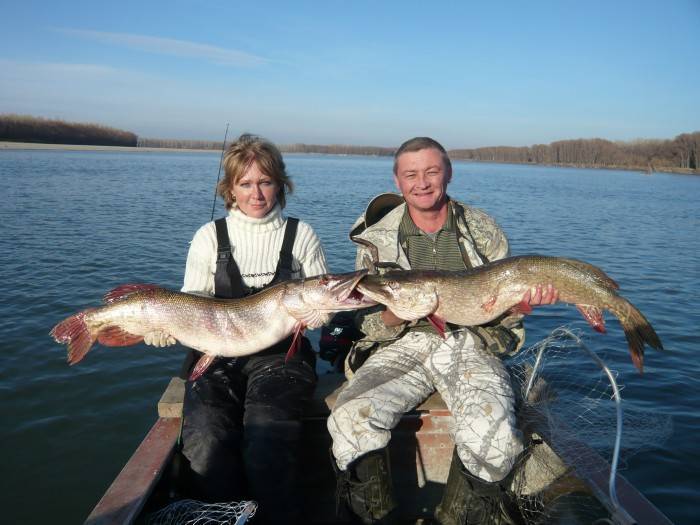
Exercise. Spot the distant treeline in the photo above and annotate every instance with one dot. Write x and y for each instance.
(679, 154)
(683, 152)
(23, 128)
(332, 149)
(179, 144)
(337, 149)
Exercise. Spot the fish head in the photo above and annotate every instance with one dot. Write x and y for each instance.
(409, 295)
(312, 300)
(335, 292)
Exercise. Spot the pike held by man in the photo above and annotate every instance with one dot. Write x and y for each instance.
(480, 295)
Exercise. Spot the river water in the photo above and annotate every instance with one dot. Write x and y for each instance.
(76, 224)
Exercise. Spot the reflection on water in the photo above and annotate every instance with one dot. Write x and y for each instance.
(76, 224)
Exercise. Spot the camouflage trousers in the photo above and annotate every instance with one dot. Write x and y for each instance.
(472, 381)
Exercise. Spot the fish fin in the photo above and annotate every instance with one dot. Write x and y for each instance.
(438, 323)
(74, 332)
(311, 318)
(523, 307)
(593, 315)
(638, 331)
(201, 366)
(115, 336)
(296, 341)
(125, 290)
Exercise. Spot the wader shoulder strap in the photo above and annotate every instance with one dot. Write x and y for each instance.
(228, 283)
(284, 265)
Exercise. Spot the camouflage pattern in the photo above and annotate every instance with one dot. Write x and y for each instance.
(471, 380)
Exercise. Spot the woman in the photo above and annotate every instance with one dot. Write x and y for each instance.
(242, 417)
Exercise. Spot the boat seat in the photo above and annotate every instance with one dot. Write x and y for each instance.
(327, 390)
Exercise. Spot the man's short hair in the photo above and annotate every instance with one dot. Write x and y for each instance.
(419, 143)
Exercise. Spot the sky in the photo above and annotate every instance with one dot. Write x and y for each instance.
(468, 74)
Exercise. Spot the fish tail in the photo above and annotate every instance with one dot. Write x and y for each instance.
(74, 332)
(638, 332)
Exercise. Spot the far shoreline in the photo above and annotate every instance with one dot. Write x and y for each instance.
(7, 145)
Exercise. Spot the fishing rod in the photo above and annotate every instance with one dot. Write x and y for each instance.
(218, 175)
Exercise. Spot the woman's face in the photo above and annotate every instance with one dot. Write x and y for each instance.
(255, 192)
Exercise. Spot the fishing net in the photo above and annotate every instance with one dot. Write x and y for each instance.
(193, 512)
(571, 400)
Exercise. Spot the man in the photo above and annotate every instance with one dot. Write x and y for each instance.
(397, 366)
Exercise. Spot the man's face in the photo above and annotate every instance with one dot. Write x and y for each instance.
(422, 180)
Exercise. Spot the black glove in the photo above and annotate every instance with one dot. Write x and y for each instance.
(498, 339)
(337, 337)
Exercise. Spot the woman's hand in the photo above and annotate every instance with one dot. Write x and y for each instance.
(159, 338)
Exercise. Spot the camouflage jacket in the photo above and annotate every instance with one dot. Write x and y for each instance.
(376, 234)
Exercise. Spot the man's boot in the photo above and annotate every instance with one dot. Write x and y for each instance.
(469, 500)
(365, 488)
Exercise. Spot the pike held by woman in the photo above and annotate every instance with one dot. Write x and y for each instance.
(215, 327)
(480, 295)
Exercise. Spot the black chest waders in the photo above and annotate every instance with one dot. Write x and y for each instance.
(228, 283)
(220, 397)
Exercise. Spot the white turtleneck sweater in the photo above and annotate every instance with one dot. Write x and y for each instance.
(256, 245)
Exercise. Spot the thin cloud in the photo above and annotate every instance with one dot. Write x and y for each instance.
(27, 70)
(173, 47)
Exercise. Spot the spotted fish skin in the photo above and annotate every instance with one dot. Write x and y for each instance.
(216, 327)
(480, 295)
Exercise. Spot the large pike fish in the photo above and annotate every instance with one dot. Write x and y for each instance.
(477, 296)
(216, 327)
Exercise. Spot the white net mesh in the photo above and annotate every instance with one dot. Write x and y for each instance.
(570, 403)
(193, 512)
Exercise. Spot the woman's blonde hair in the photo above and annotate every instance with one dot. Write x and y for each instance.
(241, 154)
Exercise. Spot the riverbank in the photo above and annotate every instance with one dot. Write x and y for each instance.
(4, 145)
(80, 147)
(660, 169)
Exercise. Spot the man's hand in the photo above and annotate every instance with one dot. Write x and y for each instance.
(159, 339)
(537, 295)
(390, 318)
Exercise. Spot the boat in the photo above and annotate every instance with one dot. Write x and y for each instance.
(552, 477)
